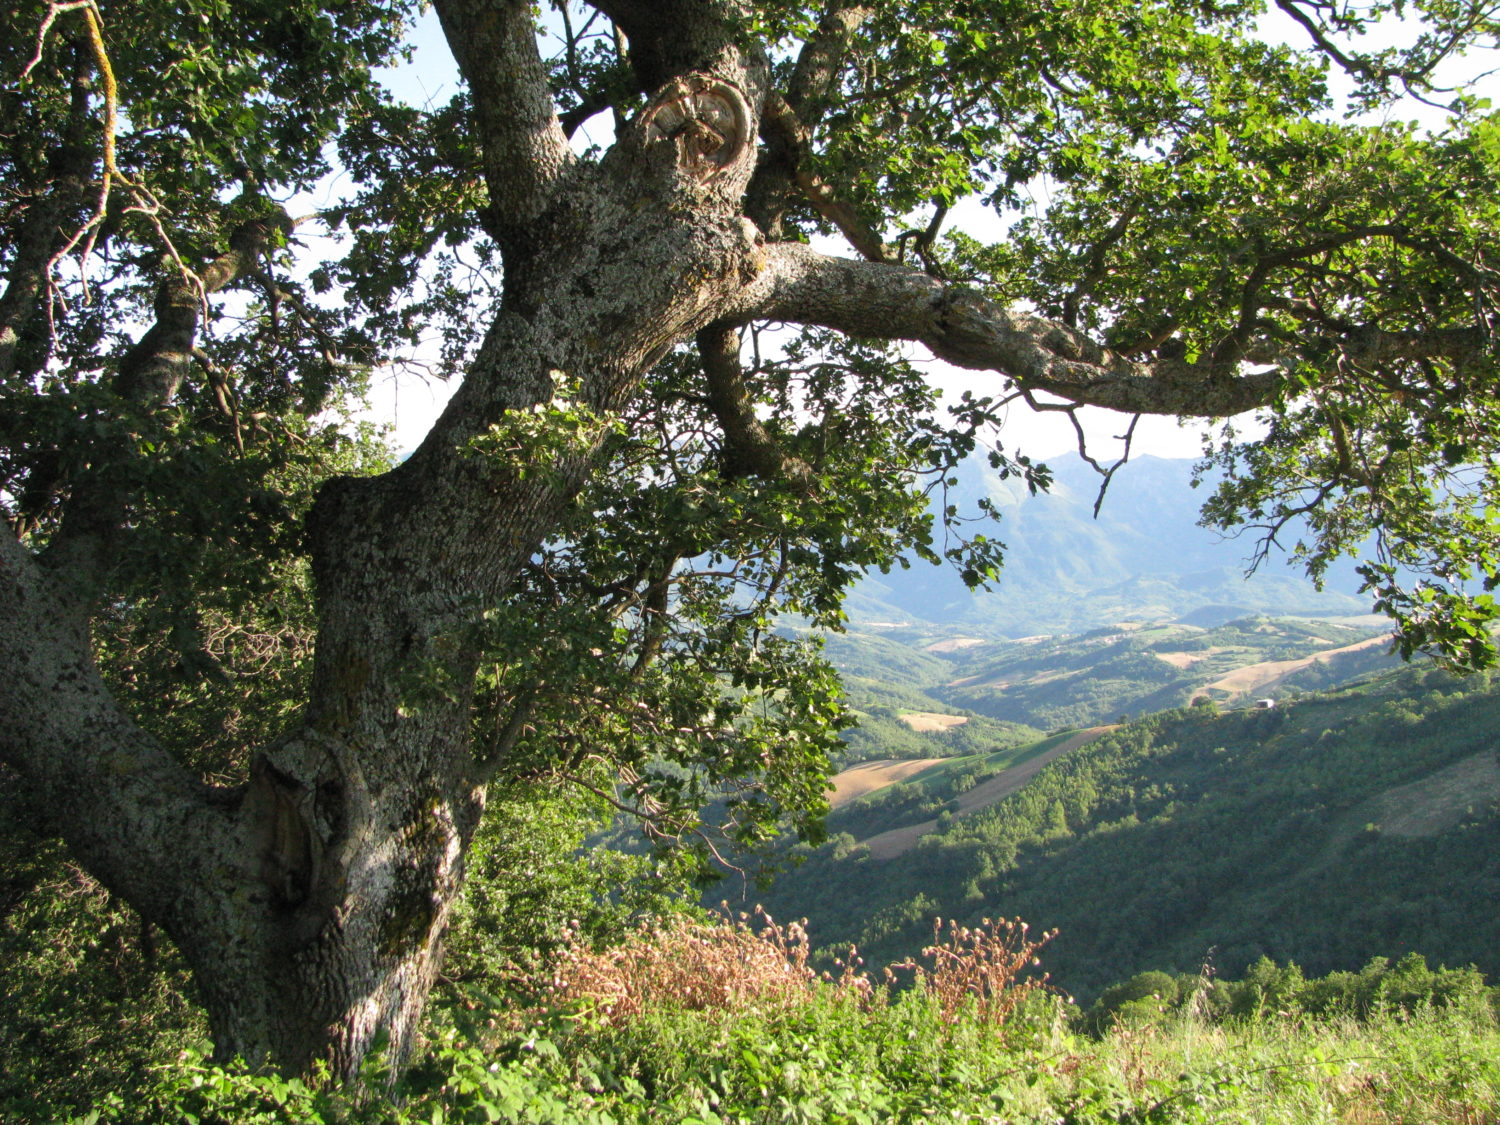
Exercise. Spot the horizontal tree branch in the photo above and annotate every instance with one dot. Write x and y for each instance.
(882, 301)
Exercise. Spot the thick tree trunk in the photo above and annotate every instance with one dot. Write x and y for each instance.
(311, 902)
(351, 834)
(334, 928)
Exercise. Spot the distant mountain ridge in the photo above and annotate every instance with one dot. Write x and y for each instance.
(1144, 558)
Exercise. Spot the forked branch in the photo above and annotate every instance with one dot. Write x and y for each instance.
(670, 38)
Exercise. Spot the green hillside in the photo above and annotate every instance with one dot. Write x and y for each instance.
(883, 733)
(1006, 693)
(889, 679)
(934, 791)
(1351, 824)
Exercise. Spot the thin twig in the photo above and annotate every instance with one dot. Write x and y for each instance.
(53, 11)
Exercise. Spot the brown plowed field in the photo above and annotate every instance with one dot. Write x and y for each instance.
(1255, 677)
(867, 777)
(954, 644)
(888, 845)
(923, 721)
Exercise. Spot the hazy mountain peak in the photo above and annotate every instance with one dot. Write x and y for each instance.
(1144, 557)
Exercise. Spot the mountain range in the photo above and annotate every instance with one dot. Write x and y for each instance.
(1144, 558)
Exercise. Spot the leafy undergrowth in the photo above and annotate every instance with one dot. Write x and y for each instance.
(726, 1022)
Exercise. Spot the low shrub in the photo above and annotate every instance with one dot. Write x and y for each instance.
(724, 1022)
(1268, 989)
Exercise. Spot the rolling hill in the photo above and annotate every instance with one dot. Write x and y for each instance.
(1003, 691)
(1358, 822)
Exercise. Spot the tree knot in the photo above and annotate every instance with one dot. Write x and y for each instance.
(708, 122)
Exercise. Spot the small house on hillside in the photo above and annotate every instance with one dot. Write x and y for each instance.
(1264, 704)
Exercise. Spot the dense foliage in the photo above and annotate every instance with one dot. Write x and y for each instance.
(714, 1024)
(1336, 828)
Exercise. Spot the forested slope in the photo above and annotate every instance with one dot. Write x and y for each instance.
(1351, 824)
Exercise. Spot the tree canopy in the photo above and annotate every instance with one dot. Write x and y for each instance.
(259, 677)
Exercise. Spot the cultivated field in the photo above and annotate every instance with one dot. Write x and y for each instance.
(870, 776)
(888, 845)
(924, 722)
(1256, 677)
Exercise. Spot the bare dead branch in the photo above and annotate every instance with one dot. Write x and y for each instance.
(53, 11)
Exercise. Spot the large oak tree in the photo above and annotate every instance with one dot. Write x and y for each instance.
(259, 680)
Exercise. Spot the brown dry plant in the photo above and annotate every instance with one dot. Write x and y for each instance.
(730, 964)
(984, 969)
(736, 963)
